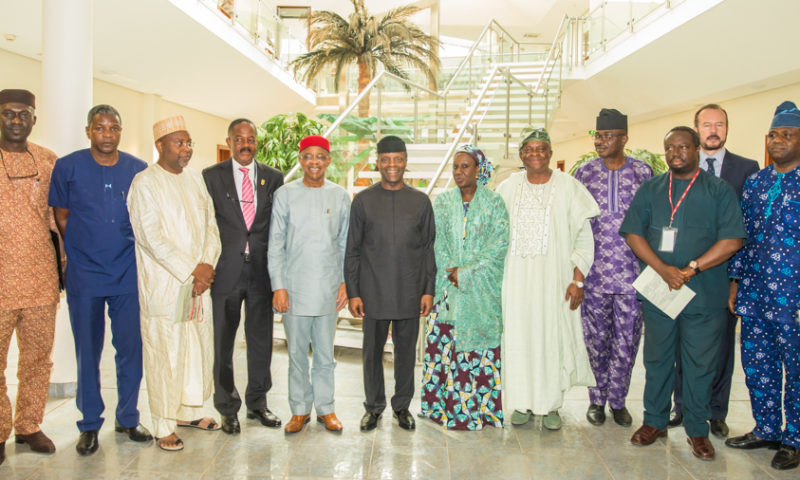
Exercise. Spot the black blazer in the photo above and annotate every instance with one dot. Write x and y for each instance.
(232, 231)
(736, 169)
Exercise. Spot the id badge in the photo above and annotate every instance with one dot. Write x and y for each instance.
(668, 237)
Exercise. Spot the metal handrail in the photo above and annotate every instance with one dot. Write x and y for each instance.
(471, 52)
(355, 103)
(551, 58)
(464, 125)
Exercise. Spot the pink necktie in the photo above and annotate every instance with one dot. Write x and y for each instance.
(248, 207)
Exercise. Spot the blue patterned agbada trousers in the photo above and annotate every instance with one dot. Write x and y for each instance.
(770, 349)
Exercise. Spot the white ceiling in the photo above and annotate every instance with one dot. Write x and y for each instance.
(733, 49)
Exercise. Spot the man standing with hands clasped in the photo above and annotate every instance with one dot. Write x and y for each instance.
(389, 271)
(685, 225)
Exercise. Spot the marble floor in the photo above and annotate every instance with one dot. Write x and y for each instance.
(577, 451)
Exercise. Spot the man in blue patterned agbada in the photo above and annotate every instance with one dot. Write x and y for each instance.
(766, 293)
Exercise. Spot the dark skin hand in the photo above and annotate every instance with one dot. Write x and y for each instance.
(356, 306)
(575, 294)
(675, 277)
(452, 275)
(203, 278)
(280, 299)
(733, 288)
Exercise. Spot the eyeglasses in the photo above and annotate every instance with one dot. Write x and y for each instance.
(181, 143)
(308, 157)
(606, 136)
(240, 141)
(529, 150)
(24, 115)
(23, 175)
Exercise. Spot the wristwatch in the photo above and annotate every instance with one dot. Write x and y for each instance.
(694, 266)
(578, 284)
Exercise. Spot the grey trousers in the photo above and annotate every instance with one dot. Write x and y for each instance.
(316, 390)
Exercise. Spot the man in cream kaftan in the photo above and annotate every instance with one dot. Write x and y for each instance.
(544, 353)
(176, 233)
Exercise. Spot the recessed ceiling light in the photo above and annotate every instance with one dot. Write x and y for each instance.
(10, 37)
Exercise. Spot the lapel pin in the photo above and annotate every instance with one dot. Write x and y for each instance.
(262, 181)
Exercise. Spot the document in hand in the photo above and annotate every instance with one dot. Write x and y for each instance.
(188, 307)
(655, 289)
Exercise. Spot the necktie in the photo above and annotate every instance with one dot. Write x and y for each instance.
(248, 207)
(710, 162)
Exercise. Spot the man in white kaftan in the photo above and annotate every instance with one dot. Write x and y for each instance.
(551, 249)
(177, 242)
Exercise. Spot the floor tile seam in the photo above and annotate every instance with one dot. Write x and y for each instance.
(217, 454)
(582, 429)
(679, 462)
(297, 448)
(759, 465)
(525, 458)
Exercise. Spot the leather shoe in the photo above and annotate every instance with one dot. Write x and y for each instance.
(267, 418)
(646, 435)
(369, 421)
(405, 419)
(596, 414)
(296, 423)
(137, 433)
(38, 442)
(787, 458)
(87, 443)
(331, 422)
(675, 420)
(701, 447)
(719, 428)
(622, 417)
(749, 441)
(230, 424)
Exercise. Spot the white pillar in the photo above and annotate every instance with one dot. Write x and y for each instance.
(67, 62)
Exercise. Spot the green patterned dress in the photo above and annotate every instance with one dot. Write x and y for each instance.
(461, 387)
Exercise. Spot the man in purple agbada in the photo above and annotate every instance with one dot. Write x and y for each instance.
(611, 314)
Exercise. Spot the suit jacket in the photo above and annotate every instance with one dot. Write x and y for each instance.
(736, 169)
(232, 230)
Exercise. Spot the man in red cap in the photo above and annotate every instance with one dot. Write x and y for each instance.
(306, 260)
(28, 273)
(242, 191)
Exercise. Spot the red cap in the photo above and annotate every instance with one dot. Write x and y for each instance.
(315, 141)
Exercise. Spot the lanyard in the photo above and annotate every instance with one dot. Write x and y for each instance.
(675, 208)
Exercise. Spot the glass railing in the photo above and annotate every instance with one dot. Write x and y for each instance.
(612, 18)
(478, 99)
(257, 21)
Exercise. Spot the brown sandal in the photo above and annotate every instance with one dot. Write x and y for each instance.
(176, 447)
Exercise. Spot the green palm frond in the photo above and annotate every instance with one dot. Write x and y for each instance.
(391, 41)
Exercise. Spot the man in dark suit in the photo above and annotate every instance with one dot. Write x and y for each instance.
(242, 192)
(711, 123)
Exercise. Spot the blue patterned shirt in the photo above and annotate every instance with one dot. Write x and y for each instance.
(769, 265)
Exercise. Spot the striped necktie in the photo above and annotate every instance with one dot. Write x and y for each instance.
(248, 207)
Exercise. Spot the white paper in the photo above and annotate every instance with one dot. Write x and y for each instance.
(655, 289)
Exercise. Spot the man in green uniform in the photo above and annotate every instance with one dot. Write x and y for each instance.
(685, 225)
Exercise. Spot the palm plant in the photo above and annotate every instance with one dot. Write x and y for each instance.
(392, 41)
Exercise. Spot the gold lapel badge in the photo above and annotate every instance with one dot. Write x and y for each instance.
(262, 181)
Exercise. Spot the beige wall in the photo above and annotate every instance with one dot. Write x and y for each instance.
(139, 111)
(749, 118)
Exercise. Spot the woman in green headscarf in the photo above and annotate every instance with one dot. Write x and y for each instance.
(461, 372)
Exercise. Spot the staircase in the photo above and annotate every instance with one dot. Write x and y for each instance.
(494, 93)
